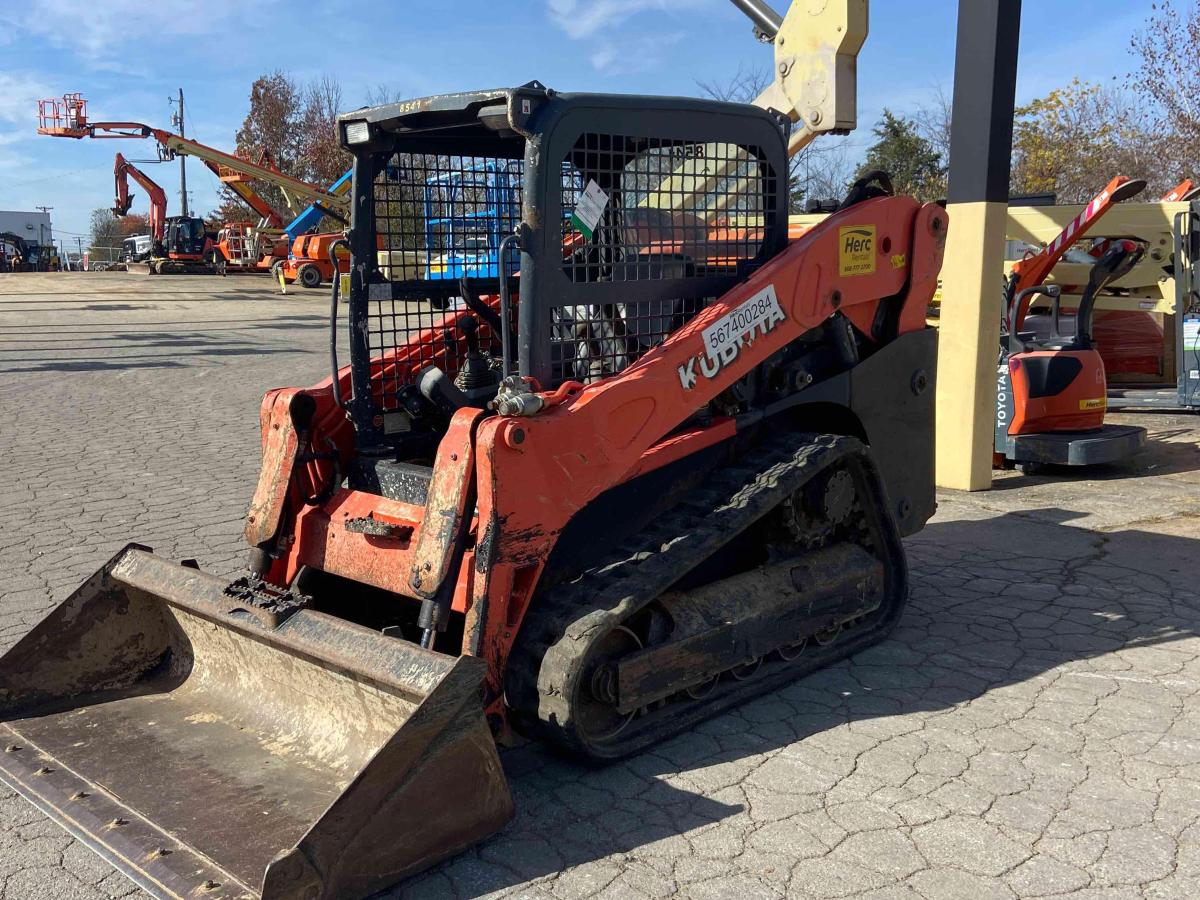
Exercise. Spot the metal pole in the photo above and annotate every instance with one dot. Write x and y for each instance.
(985, 79)
(183, 198)
(765, 19)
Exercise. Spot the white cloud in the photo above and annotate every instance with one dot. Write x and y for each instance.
(102, 32)
(19, 93)
(632, 55)
(586, 18)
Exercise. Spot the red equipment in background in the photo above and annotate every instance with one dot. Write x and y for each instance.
(123, 170)
(181, 244)
(1132, 342)
(1051, 388)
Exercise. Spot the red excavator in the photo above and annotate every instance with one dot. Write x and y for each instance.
(181, 244)
(1051, 390)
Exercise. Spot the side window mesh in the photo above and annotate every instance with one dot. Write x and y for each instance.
(438, 220)
(644, 209)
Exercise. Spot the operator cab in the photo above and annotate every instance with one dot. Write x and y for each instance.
(527, 234)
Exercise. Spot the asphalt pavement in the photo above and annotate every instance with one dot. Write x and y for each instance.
(1032, 729)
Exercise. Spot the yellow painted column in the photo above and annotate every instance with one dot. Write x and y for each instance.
(985, 84)
(968, 343)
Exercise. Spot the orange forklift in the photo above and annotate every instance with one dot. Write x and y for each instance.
(1051, 388)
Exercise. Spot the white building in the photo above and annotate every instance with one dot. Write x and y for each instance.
(30, 226)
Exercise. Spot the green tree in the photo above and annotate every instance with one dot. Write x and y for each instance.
(909, 158)
(1073, 141)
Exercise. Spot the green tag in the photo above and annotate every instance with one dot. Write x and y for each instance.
(589, 209)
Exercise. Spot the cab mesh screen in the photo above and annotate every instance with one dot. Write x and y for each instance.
(651, 210)
(439, 221)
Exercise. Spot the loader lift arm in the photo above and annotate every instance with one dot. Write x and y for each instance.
(815, 82)
(815, 72)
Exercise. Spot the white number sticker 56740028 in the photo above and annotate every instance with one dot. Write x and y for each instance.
(724, 338)
(760, 314)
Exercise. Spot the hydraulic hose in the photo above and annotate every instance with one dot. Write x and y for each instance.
(506, 300)
(333, 314)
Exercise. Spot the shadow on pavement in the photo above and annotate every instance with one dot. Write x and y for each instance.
(109, 307)
(156, 362)
(995, 602)
(1161, 456)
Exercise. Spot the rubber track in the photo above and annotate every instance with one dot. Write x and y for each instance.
(553, 645)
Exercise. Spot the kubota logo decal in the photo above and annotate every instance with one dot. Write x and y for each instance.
(856, 250)
(724, 339)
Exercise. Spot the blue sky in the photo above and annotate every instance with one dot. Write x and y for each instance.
(127, 56)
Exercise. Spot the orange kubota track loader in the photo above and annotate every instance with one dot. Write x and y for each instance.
(661, 463)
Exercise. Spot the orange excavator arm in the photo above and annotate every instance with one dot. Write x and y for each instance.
(123, 169)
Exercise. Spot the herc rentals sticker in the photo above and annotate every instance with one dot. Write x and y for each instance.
(1098, 403)
(723, 339)
(856, 250)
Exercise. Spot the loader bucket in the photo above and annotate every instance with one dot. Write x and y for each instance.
(207, 755)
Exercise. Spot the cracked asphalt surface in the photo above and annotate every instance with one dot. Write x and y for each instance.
(1032, 729)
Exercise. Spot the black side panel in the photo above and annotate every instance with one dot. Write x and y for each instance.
(627, 508)
(891, 396)
(892, 393)
(402, 481)
(1049, 376)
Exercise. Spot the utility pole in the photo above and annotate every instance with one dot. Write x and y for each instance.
(177, 121)
(42, 228)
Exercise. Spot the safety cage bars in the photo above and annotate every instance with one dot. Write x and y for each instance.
(438, 221)
(631, 216)
(649, 209)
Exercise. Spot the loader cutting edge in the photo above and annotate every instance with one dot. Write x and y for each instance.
(204, 754)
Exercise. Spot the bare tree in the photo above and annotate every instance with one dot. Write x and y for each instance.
(933, 120)
(322, 158)
(742, 87)
(1167, 81)
(105, 239)
(384, 93)
(821, 171)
